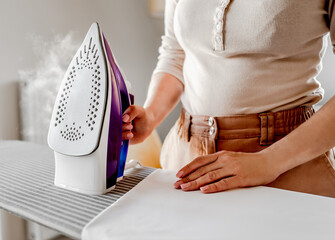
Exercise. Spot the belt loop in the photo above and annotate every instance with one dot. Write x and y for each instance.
(187, 126)
(184, 126)
(264, 129)
(267, 128)
(271, 128)
(216, 134)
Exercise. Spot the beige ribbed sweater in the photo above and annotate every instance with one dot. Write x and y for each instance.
(244, 56)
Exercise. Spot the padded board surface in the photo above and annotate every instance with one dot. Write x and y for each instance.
(26, 189)
(79, 110)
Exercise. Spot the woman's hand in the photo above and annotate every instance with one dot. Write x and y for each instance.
(163, 95)
(137, 124)
(226, 170)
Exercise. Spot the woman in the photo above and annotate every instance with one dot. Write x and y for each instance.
(245, 73)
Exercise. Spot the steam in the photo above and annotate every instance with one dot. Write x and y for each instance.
(39, 86)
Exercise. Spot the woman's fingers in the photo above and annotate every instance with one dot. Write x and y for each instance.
(138, 123)
(132, 112)
(197, 163)
(129, 115)
(234, 170)
(222, 185)
(206, 179)
(198, 173)
(127, 127)
(127, 135)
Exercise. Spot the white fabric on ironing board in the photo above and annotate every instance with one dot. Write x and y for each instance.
(155, 210)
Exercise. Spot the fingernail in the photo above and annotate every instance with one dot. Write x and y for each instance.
(180, 174)
(130, 135)
(129, 127)
(125, 117)
(177, 184)
(204, 188)
(185, 185)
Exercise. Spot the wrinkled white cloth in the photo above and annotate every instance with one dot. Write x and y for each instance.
(155, 210)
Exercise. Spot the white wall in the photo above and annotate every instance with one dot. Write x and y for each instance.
(9, 113)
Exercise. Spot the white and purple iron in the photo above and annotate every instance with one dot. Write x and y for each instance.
(86, 125)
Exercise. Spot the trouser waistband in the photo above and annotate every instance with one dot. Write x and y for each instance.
(263, 125)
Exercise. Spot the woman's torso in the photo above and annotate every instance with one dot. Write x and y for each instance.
(264, 56)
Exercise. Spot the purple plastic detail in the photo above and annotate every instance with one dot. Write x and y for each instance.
(124, 102)
(114, 134)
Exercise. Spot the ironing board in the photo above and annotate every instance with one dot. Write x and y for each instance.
(27, 189)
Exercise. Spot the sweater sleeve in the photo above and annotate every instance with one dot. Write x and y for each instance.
(171, 55)
(331, 21)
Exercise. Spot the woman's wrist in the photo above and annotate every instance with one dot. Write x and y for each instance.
(151, 118)
(271, 166)
(308, 141)
(271, 162)
(163, 95)
(283, 156)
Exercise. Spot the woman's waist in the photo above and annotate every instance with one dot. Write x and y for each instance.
(242, 104)
(230, 90)
(264, 125)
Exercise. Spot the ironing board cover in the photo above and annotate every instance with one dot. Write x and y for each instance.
(27, 189)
